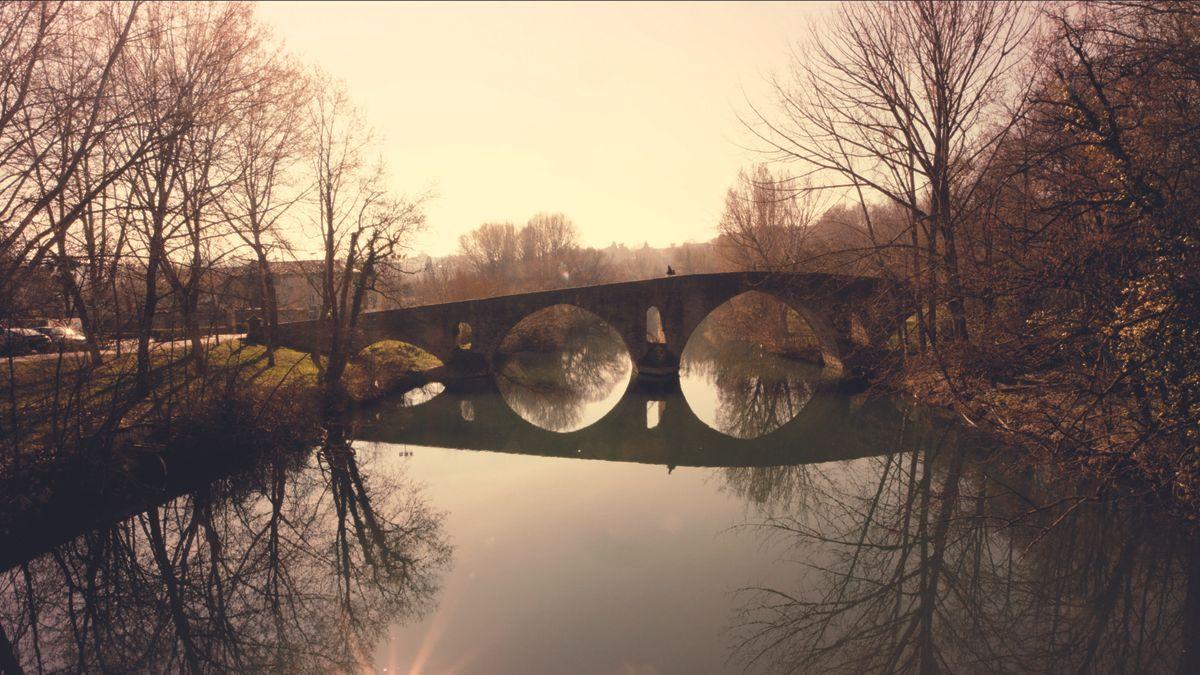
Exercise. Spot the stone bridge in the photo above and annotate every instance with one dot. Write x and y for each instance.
(852, 317)
(830, 427)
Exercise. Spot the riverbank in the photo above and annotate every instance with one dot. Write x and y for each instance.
(1052, 426)
(376, 371)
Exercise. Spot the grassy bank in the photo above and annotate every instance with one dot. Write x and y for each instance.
(58, 406)
(374, 372)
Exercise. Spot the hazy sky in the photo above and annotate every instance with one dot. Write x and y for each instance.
(622, 116)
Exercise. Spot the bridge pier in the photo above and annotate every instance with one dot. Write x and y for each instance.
(658, 364)
(462, 369)
(657, 333)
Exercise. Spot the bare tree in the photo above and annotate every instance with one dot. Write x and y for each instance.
(361, 226)
(86, 247)
(89, 255)
(55, 109)
(544, 253)
(491, 251)
(268, 145)
(899, 101)
(191, 71)
(767, 222)
(151, 73)
(546, 236)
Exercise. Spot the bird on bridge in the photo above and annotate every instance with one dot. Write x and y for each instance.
(670, 271)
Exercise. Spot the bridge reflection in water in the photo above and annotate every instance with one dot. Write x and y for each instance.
(646, 426)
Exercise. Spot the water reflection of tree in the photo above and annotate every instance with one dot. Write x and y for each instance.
(552, 389)
(771, 489)
(927, 560)
(757, 392)
(294, 570)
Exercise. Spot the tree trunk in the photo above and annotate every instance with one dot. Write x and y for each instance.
(269, 301)
(86, 321)
(918, 296)
(146, 320)
(8, 656)
(931, 289)
(191, 324)
(958, 314)
(334, 394)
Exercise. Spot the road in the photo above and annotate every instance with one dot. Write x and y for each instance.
(130, 347)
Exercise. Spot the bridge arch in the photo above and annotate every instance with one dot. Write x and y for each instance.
(818, 324)
(545, 327)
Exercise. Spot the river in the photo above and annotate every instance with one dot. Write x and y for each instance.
(563, 518)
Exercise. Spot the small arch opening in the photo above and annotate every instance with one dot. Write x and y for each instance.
(467, 410)
(908, 335)
(858, 331)
(422, 394)
(654, 413)
(655, 334)
(462, 335)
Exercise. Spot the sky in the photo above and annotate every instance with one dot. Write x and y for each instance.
(622, 116)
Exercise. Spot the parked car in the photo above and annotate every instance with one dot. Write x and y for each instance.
(64, 338)
(18, 341)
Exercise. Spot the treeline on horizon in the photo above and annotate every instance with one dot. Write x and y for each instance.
(546, 253)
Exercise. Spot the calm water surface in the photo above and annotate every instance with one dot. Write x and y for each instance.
(564, 519)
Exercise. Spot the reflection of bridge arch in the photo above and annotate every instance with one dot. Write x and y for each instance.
(828, 428)
(831, 304)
